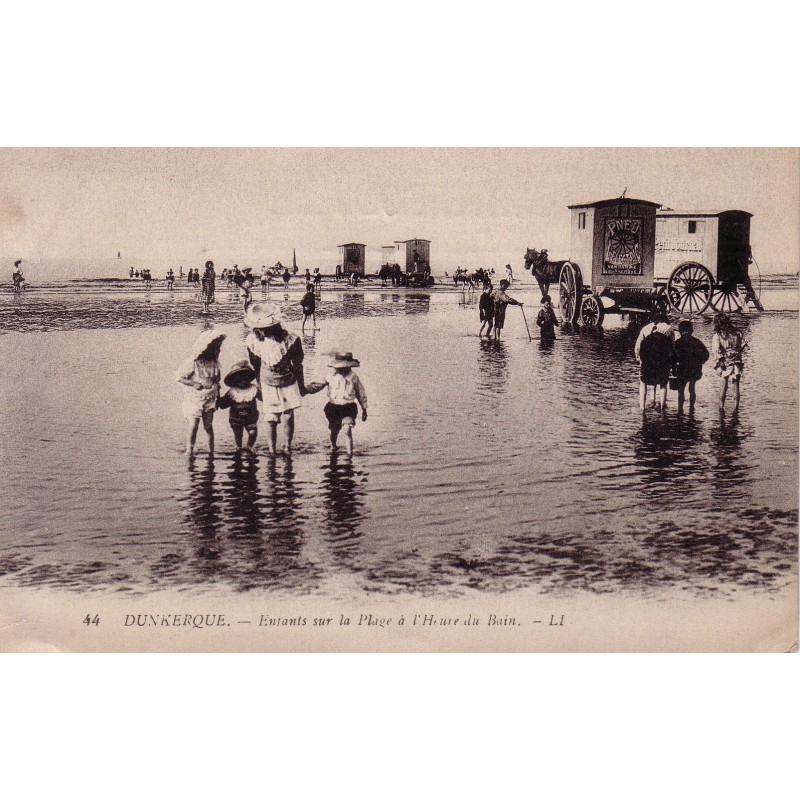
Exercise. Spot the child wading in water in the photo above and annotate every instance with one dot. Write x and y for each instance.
(241, 398)
(546, 320)
(726, 346)
(486, 309)
(309, 306)
(690, 355)
(344, 389)
(200, 374)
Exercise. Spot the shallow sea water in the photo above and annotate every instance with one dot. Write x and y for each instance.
(484, 466)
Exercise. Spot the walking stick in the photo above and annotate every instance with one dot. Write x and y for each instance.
(526, 323)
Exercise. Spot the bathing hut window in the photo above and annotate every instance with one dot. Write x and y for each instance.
(693, 227)
(582, 220)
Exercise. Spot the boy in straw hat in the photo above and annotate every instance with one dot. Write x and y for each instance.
(344, 389)
(240, 397)
(200, 374)
(277, 358)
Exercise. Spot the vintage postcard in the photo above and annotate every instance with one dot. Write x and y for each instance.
(399, 399)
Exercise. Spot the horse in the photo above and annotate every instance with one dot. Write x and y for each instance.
(462, 276)
(544, 270)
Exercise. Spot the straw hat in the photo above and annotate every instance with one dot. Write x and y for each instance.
(240, 368)
(341, 360)
(262, 315)
(203, 341)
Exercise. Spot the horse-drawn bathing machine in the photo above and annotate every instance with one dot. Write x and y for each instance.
(630, 257)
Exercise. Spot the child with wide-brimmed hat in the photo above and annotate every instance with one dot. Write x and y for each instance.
(344, 390)
(277, 357)
(200, 375)
(240, 397)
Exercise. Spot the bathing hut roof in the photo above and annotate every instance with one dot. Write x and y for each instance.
(615, 201)
(669, 212)
(351, 244)
(408, 241)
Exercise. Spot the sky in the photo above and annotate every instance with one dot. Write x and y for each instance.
(67, 212)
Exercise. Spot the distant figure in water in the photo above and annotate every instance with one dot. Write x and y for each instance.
(17, 278)
(246, 290)
(130, 272)
(509, 274)
(147, 278)
(486, 310)
(309, 306)
(180, 274)
(317, 282)
(200, 374)
(286, 278)
(727, 350)
(266, 278)
(170, 278)
(344, 389)
(240, 397)
(208, 285)
(501, 302)
(546, 320)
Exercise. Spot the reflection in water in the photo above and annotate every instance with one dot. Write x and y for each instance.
(418, 304)
(203, 510)
(492, 367)
(344, 492)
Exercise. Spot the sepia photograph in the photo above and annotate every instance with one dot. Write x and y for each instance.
(400, 399)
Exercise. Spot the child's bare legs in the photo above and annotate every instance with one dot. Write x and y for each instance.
(334, 437)
(191, 434)
(237, 434)
(642, 395)
(736, 395)
(272, 442)
(662, 392)
(288, 424)
(692, 394)
(723, 390)
(303, 326)
(348, 438)
(252, 435)
(208, 424)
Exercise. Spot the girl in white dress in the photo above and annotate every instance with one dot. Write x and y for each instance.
(277, 357)
(200, 375)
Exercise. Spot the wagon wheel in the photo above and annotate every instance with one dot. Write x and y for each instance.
(689, 288)
(592, 311)
(726, 297)
(570, 289)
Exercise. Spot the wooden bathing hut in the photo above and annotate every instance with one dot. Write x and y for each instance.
(413, 256)
(716, 244)
(353, 258)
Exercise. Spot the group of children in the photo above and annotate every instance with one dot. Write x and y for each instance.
(272, 375)
(492, 310)
(679, 363)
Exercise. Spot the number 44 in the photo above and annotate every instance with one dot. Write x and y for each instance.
(92, 620)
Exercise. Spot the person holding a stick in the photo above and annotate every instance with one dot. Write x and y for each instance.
(501, 302)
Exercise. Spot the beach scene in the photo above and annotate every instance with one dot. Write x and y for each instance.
(489, 464)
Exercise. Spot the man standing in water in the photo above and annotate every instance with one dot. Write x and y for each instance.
(501, 302)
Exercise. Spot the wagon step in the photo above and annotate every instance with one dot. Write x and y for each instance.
(634, 310)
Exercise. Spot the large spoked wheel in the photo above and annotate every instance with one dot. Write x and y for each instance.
(592, 311)
(726, 297)
(689, 288)
(570, 289)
